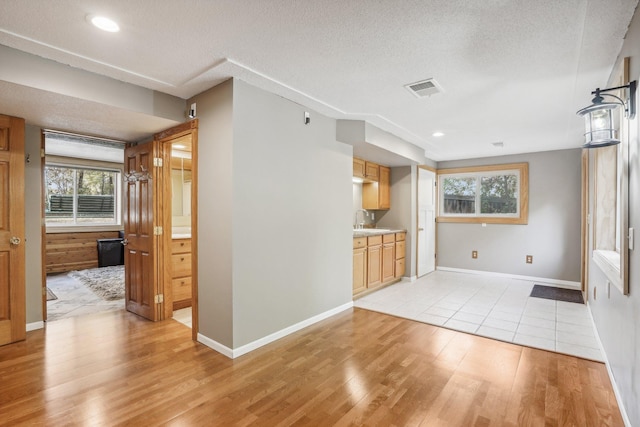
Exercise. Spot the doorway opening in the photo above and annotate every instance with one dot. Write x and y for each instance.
(426, 244)
(81, 192)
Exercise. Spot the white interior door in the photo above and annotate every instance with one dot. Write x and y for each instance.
(426, 221)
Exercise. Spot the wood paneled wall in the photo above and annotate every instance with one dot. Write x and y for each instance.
(74, 251)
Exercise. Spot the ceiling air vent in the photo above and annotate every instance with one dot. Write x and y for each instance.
(424, 88)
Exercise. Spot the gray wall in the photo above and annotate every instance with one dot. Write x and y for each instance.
(274, 209)
(215, 216)
(403, 211)
(552, 235)
(617, 317)
(33, 230)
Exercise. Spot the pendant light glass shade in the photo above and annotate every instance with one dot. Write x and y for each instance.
(599, 129)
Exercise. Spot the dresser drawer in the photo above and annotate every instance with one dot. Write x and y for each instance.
(389, 238)
(359, 242)
(399, 270)
(400, 236)
(181, 288)
(180, 265)
(400, 249)
(180, 246)
(374, 240)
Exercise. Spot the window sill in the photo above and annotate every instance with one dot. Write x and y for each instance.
(609, 263)
(483, 219)
(82, 228)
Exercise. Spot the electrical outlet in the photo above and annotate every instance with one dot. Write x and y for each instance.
(474, 254)
(529, 259)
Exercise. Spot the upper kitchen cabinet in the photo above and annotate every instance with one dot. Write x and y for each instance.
(377, 195)
(368, 171)
(372, 171)
(358, 168)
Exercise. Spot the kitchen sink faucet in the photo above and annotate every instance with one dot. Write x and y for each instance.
(360, 225)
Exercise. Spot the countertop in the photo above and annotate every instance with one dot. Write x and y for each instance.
(376, 231)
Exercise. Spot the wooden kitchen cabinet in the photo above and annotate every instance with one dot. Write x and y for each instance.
(377, 195)
(400, 255)
(358, 168)
(377, 261)
(359, 264)
(181, 273)
(388, 261)
(374, 261)
(384, 190)
(372, 171)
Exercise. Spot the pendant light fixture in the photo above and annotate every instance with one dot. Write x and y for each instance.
(598, 117)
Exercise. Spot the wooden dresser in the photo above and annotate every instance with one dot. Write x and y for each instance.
(181, 273)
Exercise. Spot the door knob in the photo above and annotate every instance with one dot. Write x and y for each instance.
(124, 242)
(15, 241)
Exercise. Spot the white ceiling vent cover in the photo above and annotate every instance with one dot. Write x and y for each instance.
(424, 88)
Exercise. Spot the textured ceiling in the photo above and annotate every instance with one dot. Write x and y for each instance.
(512, 71)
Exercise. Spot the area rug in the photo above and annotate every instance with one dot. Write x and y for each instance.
(50, 295)
(558, 294)
(106, 282)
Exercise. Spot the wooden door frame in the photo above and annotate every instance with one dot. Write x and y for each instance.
(164, 210)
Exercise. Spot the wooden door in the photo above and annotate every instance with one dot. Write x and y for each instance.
(141, 281)
(12, 252)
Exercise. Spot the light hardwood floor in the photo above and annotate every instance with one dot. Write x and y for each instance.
(358, 367)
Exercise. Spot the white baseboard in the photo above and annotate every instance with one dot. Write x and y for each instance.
(215, 345)
(614, 385)
(409, 279)
(233, 353)
(566, 284)
(35, 325)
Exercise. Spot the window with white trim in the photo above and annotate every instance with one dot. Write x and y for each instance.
(82, 182)
(495, 194)
(81, 196)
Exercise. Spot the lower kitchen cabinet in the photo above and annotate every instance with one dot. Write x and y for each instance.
(359, 265)
(374, 261)
(377, 261)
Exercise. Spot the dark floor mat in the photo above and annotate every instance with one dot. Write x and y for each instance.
(558, 294)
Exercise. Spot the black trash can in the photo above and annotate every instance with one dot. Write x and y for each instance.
(110, 252)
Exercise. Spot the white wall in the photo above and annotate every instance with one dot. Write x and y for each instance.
(552, 235)
(215, 215)
(292, 198)
(274, 215)
(403, 211)
(617, 317)
(33, 230)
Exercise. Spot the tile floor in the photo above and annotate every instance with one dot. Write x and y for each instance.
(183, 316)
(494, 307)
(75, 299)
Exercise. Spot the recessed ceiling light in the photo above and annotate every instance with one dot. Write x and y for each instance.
(104, 23)
(437, 134)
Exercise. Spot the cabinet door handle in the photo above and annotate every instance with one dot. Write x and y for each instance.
(181, 259)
